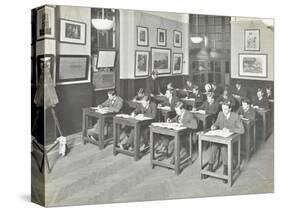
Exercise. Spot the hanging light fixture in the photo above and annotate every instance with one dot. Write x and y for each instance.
(196, 39)
(102, 23)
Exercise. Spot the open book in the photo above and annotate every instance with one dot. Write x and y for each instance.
(137, 117)
(174, 125)
(102, 110)
(220, 133)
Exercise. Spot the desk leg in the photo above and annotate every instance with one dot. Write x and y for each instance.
(204, 124)
(84, 130)
(247, 143)
(264, 127)
(101, 131)
(115, 140)
(200, 155)
(151, 149)
(254, 138)
(137, 142)
(177, 154)
(239, 153)
(229, 171)
(190, 146)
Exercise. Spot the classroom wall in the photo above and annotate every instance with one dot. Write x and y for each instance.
(238, 27)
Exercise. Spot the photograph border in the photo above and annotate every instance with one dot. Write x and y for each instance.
(169, 51)
(164, 44)
(147, 66)
(245, 40)
(146, 29)
(173, 71)
(174, 41)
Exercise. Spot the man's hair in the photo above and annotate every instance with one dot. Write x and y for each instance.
(238, 82)
(196, 87)
(210, 95)
(147, 98)
(112, 92)
(180, 105)
(227, 103)
(246, 100)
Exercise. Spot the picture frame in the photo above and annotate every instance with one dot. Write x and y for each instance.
(73, 32)
(45, 23)
(252, 40)
(253, 65)
(141, 63)
(161, 60)
(72, 69)
(142, 36)
(161, 37)
(38, 71)
(177, 39)
(106, 59)
(177, 63)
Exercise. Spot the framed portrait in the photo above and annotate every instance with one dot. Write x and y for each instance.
(45, 23)
(142, 36)
(141, 63)
(177, 39)
(253, 65)
(161, 60)
(161, 37)
(72, 69)
(41, 61)
(177, 63)
(252, 40)
(72, 32)
(106, 59)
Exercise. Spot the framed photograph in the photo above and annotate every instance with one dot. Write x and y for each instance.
(106, 59)
(72, 32)
(252, 40)
(41, 61)
(141, 63)
(45, 26)
(161, 60)
(177, 63)
(177, 39)
(161, 37)
(142, 36)
(72, 68)
(253, 65)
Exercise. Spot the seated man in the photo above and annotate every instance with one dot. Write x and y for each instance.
(147, 109)
(197, 95)
(269, 93)
(246, 111)
(239, 92)
(170, 86)
(216, 89)
(210, 105)
(171, 99)
(260, 101)
(153, 86)
(140, 95)
(230, 122)
(114, 103)
(186, 119)
(189, 85)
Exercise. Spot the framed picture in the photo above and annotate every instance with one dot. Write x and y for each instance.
(45, 23)
(252, 40)
(41, 61)
(72, 68)
(142, 36)
(253, 65)
(161, 60)
(106, 59)
(141, 63)
(177, 63)
(72, 32)
(177, 39)
(161, 37)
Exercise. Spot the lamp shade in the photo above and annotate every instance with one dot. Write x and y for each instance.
(196, 39)
(102, 24)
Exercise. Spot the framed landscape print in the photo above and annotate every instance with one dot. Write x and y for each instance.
(72, 32)
(252, 40)
(161, 60)
(72, 68)
(177, 39)
(253, 65)
(45, 28)
(141, 63)
(161, 37)
(142, 36)
(177, 63)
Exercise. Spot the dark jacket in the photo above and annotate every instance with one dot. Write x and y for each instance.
(250, 114)
(151, 111)
(188, 120)
(171, 104)
(153, 86)
(233, 123)
(242, 92)
(115, 105)
(210, 108)
(198, 97)
(263, 103)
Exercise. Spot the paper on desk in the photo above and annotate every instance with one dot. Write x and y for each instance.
(104, 110)
(123, 116)
(220, 133)
(141, 117)
(174, 126)
(164, 107)
(199, 111)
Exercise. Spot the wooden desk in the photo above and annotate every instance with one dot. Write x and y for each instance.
(248, 142)
(133, 103)
(137, 125)
(229, 141)
(103, 118)
(183, 92)
(190, 102)
(165, 114)
(176, 134)
(265, 115)
(204, 118)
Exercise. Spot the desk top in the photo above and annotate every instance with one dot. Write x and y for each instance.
(218, 139)
(127, 118)
(98, 112)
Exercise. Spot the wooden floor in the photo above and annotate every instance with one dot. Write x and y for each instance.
(90, 176)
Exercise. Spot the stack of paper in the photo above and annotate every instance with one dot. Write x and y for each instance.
(164, 107)
(199, 111)
(123, 116)
(174, 126)
(220, 133)
(137, 117)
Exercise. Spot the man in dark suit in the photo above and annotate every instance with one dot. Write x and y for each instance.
(197, 95)
(114, 103)
(210, 105)
(229, 122)
(239, 91)
(246, 111)
(147, 109)
(217, 90)
(260, 101)
(171, 99)
(153, 86)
